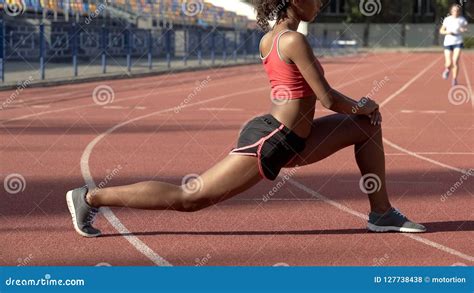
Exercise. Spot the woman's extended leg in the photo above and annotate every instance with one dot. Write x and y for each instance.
(335, 132)
(227, 178)
(447, 64)
(232, 175)
(455, 66)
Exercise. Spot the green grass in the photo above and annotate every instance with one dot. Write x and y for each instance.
(469, 42)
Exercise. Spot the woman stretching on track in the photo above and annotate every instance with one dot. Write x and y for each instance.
(453, 27)
(287, 137)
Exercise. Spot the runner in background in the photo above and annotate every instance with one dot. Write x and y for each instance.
(453, 27)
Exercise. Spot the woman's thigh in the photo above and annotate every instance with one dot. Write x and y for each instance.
(448, 57)
(456, 55)
(229, 177)
(332, 133)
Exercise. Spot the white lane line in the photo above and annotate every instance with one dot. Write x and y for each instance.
(423, 111)
(221, 109)
(114, 107)
(399, 148)
(13, 106)
(140, 108)
(80, 107)
(164, 92)
(440, 247)
(135, 241)
(36, 97)
(432, 112)
(409, 83)
(433, 153)
(41, 106)
(109, 215)
(14, 102)
(366, 218)
(394, 181)
(327, 200)
(469, 86)
(273, 199)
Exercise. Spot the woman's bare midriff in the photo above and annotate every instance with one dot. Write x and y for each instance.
(297, 114)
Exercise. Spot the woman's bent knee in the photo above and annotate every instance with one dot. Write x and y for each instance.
(365, 124)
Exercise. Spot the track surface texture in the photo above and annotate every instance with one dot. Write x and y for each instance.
(166, 127)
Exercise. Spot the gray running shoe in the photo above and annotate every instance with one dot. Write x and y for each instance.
(446, 74)
(393, 220)
(83, 214)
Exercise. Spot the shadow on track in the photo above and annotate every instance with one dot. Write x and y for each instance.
(433, 227)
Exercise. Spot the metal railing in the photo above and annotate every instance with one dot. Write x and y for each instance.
(78, 43)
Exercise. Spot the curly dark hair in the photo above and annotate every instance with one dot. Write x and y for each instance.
(269, 10)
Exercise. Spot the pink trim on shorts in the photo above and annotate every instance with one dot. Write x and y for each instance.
(247, 147)
(259, 150)
(260, 144)
(243, 154)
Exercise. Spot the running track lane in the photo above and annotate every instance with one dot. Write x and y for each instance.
(271, 220)
(426, 241)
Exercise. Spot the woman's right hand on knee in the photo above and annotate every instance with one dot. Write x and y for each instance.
(366, 107)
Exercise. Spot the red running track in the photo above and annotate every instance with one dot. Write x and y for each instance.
(58, 138)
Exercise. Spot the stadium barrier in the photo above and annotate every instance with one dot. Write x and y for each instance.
(77, 43)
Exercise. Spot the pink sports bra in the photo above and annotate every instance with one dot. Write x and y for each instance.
(286, 80)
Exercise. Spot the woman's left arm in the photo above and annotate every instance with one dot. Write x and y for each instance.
(463, 28)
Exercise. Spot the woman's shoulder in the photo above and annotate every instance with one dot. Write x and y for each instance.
(291, 37)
